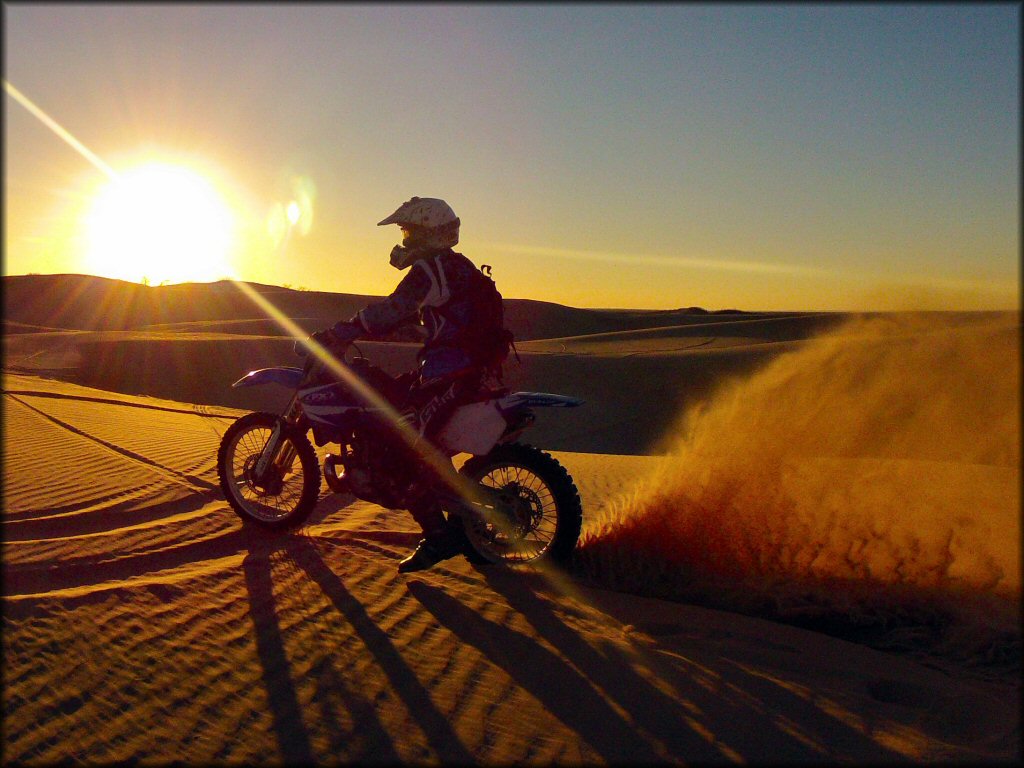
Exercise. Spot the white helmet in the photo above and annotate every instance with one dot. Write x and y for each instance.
(429, 225)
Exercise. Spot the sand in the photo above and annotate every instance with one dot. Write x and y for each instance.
(142, 622)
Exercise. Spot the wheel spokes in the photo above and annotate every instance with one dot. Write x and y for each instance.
(536, 521)
(261, 503)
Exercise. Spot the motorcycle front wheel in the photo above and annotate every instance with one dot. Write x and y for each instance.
(288, 490)
(546, 511)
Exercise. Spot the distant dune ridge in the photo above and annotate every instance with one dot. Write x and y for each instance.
(90, 303)
(857, 475)
(146, 340)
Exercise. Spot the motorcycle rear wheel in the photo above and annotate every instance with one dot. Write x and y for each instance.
(287, 495)
(549, 512)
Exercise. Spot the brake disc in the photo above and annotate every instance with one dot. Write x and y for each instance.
(272, 482)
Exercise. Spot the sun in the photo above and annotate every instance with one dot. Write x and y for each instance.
(159, 223)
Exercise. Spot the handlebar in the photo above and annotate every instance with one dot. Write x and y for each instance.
(312, 361)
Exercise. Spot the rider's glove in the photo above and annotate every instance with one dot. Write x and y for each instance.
(324, 338)
(340, 333)
(300, 347)
(343, 332)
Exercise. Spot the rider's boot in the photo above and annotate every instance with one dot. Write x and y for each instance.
(441, 541)
(431, 551)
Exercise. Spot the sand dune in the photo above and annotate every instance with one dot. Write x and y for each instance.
(86, 302)
(143, 622)
(626, 419)
(667, 367)
(140, 340)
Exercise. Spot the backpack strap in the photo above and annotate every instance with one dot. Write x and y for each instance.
(439, 292)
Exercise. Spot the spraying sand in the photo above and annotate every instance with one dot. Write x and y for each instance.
(868, 479)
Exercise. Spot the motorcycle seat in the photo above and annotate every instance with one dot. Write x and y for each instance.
(490, 393)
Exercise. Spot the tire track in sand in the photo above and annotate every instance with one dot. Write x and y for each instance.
(124, 518)
(46, 469)
(172, 474)
(206, 411)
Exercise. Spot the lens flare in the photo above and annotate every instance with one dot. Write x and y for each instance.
(295, 216)
(437, 464)
(58, 129)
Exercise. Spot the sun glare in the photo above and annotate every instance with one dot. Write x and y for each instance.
(159, 223)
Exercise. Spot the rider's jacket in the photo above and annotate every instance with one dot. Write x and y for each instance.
(435, 289)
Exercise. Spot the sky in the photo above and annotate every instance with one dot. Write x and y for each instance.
(758, 157)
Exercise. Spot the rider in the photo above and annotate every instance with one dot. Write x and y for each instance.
(436, 290)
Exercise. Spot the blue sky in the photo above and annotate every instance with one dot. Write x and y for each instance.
(761, 156)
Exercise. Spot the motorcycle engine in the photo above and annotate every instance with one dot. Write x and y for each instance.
(376, 472)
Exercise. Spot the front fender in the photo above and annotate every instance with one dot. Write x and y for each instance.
(286, 377)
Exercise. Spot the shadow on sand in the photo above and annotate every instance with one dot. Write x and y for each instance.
(714, 711)
(365, 739)
(629, 703)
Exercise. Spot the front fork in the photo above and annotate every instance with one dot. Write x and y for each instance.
(273, 454)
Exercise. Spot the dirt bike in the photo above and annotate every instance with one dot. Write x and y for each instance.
(511, 502)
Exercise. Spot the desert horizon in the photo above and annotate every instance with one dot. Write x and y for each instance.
(801, 541)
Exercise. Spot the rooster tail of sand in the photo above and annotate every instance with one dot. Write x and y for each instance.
(865, 484)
